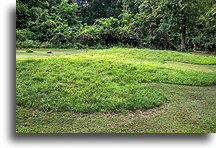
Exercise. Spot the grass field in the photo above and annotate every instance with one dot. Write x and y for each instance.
(115, 90)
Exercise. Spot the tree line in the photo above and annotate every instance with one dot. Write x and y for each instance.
(156, 24)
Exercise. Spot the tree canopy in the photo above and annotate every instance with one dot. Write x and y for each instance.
(157, 24)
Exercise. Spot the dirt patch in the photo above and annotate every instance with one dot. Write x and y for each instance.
(149, 112)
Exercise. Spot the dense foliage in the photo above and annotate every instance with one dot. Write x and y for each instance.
(157, 24)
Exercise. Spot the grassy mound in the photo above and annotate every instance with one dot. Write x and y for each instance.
(102, 80)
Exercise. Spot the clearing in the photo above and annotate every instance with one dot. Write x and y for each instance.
(117, 90)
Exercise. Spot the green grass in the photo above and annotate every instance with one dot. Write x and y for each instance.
(115, 91)
(108, 80)
(190, 109)
(201, 68)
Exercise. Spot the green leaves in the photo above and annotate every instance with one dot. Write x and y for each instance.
(157, 24)
(22, 16)
(66, 12)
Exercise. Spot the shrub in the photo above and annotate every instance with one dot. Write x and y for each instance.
(23, 34)
(102, 31)
(128, 37)
(45, 45)
(99, 46)
(33, 44)
(63, 35)
(78, 45)
(29, 51)
(28, 44)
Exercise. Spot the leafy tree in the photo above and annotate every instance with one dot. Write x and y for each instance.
(62, 35)
(91, 10)
(179, 16)
(146, 23)
(159, 24)
(22, 16)
(207, 27)
(66, 12)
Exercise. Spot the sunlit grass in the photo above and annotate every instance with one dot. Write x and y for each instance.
(108, 80)
(202, 68)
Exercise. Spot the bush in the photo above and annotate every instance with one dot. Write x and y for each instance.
(78, 45)
(128, 37)
(33, 44)
(29, 51)
(23, 34)
(102, 30)
(99, 46)
(27, 44)
(63, 35)
(46, 45)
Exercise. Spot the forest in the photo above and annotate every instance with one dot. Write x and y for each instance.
(156, 24)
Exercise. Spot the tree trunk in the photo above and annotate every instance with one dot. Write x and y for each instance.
(213, 2)
(183, 38)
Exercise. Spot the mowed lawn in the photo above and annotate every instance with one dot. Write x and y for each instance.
(117, 90)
